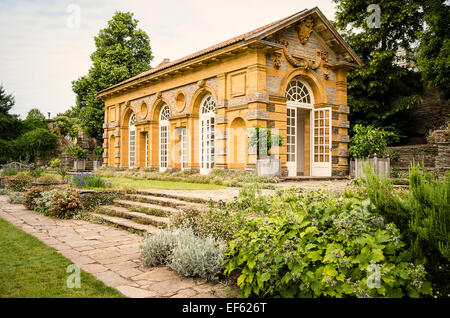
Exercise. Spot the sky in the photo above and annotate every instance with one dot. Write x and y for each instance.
(46, 44)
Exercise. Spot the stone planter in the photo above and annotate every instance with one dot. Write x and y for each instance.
(381, 167)
(96, 164)
(268, 167)
(79, 165)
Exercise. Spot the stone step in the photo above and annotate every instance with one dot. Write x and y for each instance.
(164, 201)
(148, 208)
(171, 196)
(138, 217)
(128, 224)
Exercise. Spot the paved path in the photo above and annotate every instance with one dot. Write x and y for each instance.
(110, 254)
(228, 194)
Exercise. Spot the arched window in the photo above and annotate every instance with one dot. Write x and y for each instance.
(132, 141)
(164, 115)
(297, 91)
(207, 109)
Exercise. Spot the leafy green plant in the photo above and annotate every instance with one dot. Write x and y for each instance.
(422, 215)
(79, 152)
(36, 172)
(47, 179)
(316, 244)
(55, 163)
(368, 140)
(157, 248)
(264, 140)
(63, 173)
(8, 172)
(98, 152)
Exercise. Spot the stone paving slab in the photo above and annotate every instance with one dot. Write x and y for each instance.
(110, 254)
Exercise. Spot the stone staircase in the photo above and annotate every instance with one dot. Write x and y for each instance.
(146, 212)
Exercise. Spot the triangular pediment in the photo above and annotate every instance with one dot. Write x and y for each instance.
(310, 29)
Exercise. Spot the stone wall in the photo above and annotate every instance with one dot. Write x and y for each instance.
(402, 156)
(435, 155)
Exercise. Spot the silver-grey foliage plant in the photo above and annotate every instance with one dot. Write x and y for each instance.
(184, 252)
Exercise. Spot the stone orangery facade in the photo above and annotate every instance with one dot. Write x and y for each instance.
(196, 112)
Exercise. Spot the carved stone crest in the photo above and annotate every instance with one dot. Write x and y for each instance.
(304, 30)
(276, 60)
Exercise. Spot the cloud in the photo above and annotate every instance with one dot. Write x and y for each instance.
(41, 55)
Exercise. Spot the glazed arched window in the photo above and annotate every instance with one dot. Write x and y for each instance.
(299, 92)
(132, 141)
(207, 109)
(164, 115)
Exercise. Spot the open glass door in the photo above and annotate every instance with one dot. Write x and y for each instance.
(291, 141)
(321, 159)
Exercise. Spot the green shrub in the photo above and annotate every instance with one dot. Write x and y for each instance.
(36, 172)
(197, 257)
(30, 196)
(65, 204)
(19, 182)
(88, 181)
(8, 172)
(368, 140)
(316, 244)
(78, 152)
(221, 224)
(47, 179)
(422, 215)
(92, 200)
(157, 248)
(15, 198)
(55, 163)
(63, 173)
(3, 191)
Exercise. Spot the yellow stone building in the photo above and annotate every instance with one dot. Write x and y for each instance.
(196, 112)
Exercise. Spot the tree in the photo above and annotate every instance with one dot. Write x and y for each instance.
(6, 101)
(380, 92)
(36, 143)
(35, 114)
(10, 125)
(122, 51)
(433, 58)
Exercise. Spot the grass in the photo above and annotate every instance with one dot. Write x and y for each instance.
(31, 269)
(160, 184)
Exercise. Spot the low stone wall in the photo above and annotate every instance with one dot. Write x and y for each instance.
(402, 156)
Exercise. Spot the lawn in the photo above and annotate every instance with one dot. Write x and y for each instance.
(160, 184)
(31, 269)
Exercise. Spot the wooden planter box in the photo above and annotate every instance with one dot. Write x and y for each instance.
(268, 167)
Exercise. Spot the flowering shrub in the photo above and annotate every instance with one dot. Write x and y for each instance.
(315, 244)
(65, 204)
(86, 180)
(30, 196)
(19, 182)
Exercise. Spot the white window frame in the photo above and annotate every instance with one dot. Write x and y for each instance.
(164, 115)
(207, 133)
(132, 134)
